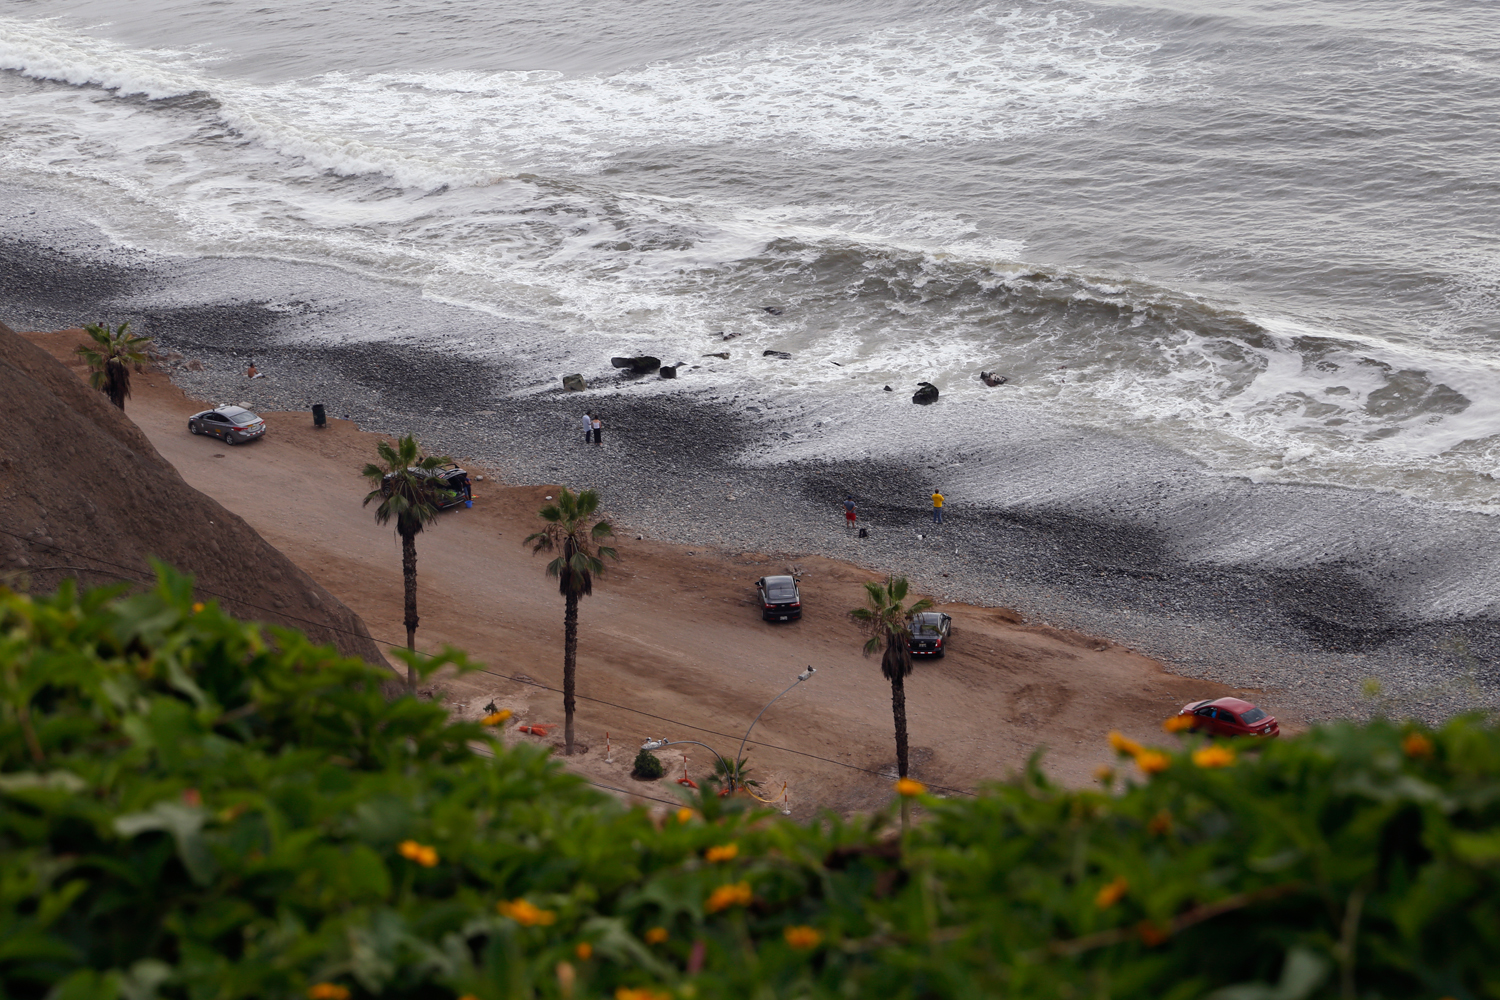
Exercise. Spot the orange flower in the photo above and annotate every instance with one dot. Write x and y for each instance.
(1152, 761)
(907, 788)
(494, 719)
(1177, 723)
(656, 935)
(420, 853)
(468, 996)
(721, 852)
(726, 896)
(803, 938)
(1104, 774)
(1151, 935)
(192, 797)
(640, 993)
(1213, 757)
(1416, 745)
(584, 950)
(525, 913)
(684, 814)
(1112, 893)
(1123, 747)
(327, 991)
(197, 607)
(1160, 824)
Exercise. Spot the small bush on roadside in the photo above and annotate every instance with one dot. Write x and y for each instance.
(190, 810)
(647, 766)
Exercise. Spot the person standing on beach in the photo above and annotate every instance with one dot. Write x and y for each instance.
(597, 426)
(588, 427)
(848, 512)
(937, 506)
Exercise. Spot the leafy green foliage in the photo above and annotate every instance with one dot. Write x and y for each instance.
(647, 766)
(190, 807)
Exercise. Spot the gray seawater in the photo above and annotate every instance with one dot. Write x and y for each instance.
(1261, 233)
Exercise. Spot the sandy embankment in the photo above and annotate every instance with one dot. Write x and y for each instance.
(671, 635)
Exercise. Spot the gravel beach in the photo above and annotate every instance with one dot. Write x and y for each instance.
(1330, 599)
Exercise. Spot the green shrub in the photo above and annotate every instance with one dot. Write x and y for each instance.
(647, 766)
(190, 809)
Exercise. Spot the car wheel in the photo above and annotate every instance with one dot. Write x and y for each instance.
(193, 427)
(229, 438)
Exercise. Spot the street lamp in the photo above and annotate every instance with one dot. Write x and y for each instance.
(731, 771)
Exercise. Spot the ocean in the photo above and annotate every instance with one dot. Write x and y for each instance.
(1262, 234)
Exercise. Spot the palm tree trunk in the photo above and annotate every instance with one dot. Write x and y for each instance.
(570, 662)
(116, 381)
(409, 578)
(898, 709)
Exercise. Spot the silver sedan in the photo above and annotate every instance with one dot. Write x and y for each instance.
(231, 424)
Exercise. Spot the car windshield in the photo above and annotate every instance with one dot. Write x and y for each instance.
(1252, 716)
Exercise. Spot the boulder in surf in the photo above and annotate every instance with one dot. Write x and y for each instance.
(926, 393)
(640, 365)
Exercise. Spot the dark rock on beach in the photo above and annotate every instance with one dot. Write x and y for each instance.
(669, 371)
(926, 393)
(783, 355)
(574, 383)
(641, 365)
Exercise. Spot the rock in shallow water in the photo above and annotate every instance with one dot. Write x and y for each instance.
(639, 365)
(783, 355)
(926, 393)
(992, 379)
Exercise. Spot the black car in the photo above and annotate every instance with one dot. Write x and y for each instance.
(230, 424)
(780, 601)
(449, 477)
(929, 633)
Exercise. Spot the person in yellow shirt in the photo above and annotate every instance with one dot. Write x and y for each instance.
(937, 507)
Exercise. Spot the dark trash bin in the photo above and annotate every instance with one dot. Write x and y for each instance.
(320, 415)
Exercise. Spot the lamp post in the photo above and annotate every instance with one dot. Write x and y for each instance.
(731, 771)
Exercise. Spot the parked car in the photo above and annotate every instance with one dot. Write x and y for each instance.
(230, 424)
(780, 600)
(449, 477)
(930, 631)
(1230, 717)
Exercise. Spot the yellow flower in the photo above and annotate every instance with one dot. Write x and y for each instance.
(803, 937)
(468, 996)
(1122, 746)
(584, 950)
(326, 991)
(1160, 824)
(726, 896)
(1152, 761)
(1416, 745)
(684, 814)
(197, 607)
(656, 935)
(1104, 774)
(496, 718)
(1178, 723)
(1213, 757)
(420, 853)
(1112, 893)
(721, 852)
(908, 788)
(525, 913)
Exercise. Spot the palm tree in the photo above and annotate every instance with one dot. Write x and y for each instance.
(568, 530)
(407, 487)
(889, 622)
(108, 371)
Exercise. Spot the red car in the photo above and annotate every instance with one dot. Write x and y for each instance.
(1230, 717)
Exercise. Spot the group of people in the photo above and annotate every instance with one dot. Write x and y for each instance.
(593, 429)
(851, 515)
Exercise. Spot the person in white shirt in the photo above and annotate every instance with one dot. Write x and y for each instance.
(588, 428)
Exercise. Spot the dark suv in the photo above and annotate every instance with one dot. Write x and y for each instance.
(780, 601)
(450, 478)
(930, 631)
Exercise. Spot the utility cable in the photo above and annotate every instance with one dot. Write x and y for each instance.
(144, 576)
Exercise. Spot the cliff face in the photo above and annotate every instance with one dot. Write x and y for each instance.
(84, 494)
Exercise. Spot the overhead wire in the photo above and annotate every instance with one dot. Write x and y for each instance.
(145, 576)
